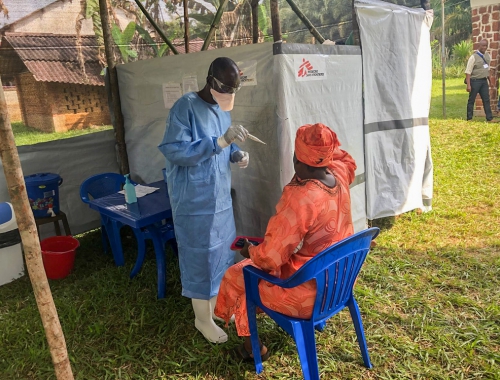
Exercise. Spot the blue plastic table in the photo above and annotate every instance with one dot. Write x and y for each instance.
(147, 213)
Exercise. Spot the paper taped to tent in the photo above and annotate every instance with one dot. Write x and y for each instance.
(376, 99)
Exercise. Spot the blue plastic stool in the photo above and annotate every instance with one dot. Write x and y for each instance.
(160, 235)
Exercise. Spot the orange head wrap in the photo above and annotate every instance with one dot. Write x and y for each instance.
(315, 145)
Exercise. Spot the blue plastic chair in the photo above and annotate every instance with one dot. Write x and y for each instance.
(99, 186)
(335, 271)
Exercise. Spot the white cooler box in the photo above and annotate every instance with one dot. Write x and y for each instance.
(11, 255)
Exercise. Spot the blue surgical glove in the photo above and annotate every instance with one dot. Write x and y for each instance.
(241, 158)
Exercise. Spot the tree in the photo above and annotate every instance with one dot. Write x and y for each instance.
(332, 18)
(31, 246)
(4, 9)
(457, 22)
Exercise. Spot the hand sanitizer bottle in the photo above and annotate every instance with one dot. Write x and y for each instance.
(130, 196)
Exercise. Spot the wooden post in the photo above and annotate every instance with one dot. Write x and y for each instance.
(306, 21)
(275, 20)
(157, 28)
(355, 27)
(119, 125)
(31, 245)
(443, 59)
(215, 25)
(255, 21)
(186, 27)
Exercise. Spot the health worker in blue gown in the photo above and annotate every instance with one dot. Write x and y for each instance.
(199, 147)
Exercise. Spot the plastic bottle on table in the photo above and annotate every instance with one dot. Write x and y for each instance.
(129, 189)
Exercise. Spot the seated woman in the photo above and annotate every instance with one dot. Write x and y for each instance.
(313, 213)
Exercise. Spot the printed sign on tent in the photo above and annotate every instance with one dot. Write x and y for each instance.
(249, 73)
(190, 83)
(171, 93)
(309, 67)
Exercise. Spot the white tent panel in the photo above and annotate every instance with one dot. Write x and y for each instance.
(397, 92)
(272, 110)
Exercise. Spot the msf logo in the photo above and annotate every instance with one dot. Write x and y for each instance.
(304, 68)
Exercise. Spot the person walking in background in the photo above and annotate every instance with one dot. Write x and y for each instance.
(478, 81)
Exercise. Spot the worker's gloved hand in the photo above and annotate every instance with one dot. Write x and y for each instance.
(233, 133)
(241, 158)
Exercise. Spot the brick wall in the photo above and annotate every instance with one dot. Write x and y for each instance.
(59, 107)
(12, 104)
(77, 106)
(34, 101)
(486, 24)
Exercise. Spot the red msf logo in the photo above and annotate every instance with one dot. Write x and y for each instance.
(304, 68)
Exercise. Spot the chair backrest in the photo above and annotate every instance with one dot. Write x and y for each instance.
(335, 270)
(100, 185)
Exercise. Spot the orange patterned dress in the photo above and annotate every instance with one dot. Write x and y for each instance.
(309, 218)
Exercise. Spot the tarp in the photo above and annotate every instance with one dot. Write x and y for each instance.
(272, 104)
(75, 160)
(397, 82)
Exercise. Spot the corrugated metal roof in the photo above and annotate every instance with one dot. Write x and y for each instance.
(53, 57)
(195, 45)
(52, 47)
(66, 72)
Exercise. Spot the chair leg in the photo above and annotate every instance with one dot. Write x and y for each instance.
(254, 335)
(67, 230)
(116, 244)
(160, 260)
(306, 347)
(320, 326)
(58, 228)
(173, 245)
(360, 333)
(141, 252)
(104, 238)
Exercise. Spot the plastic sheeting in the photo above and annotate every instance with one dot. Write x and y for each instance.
(74, 159)
(273, 102)
(397, 92)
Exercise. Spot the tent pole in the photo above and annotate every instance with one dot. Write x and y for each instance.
(215, 24)
(443, 59)
(355, 27)
(275, 21)
(255, 21)
(157, 28)
(118, 126)
(186, 27)
(306, 21)
(31, 246)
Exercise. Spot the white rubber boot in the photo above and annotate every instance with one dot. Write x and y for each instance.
(205, 324)
(213, 301)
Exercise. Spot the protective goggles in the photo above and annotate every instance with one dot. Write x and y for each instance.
(225, 88)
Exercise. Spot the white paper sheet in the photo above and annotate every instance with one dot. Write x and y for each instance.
(141, 191)
(171, 93)
(190, 84)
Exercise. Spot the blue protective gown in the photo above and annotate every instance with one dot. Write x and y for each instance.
(199, 186)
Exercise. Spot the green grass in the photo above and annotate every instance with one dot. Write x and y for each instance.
(429, 294)
(25, 135)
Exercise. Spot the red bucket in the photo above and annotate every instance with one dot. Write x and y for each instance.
(58, 254)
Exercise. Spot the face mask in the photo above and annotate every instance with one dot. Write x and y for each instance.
(225, 101)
